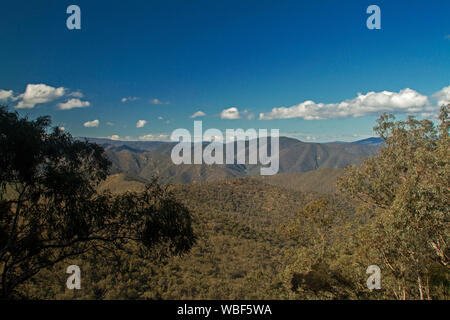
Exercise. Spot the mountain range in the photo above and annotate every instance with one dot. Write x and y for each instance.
(144, 159)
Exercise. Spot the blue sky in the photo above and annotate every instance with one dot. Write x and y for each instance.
(174, 58)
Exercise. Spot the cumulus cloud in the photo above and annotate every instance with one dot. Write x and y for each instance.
(404, 101)
(73, 103)
(230, 113)
(6, 95)
(129, 99)
(442, 96)
(91, 124)
(154, 137)
(198, 114)
(114, 137)
(160, 118)
(141, 123)
(39, 93)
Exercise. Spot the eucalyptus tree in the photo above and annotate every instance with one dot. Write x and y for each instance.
(50, 209)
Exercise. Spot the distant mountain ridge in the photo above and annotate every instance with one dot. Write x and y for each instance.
(142, 146)
(373, 141)
(145, 159)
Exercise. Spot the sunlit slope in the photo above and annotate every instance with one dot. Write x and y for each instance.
(295, 157)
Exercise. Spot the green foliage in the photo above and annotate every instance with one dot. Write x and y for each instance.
(238, 255)
(257, 238)
(406, 189)
(401, 222)
(50, 209)
(320, 265)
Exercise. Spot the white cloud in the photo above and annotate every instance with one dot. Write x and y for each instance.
(198, 114)
(91, 124)
(42, 93)
(442, 96)
(147, 137)
(154, 137)
(39, 93)
(404, 101)
(111, 124)
(6, 95)
(129, 99)
(141, 123)
(76, 94)
(157, 101)
(73, 103)
(160, 118)
(230, 113)
(114, 137)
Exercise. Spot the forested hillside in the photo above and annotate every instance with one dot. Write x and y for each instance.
(146, 159)
(239, 253)
(308, 235)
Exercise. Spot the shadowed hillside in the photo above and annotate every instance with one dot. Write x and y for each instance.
(145, 159)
